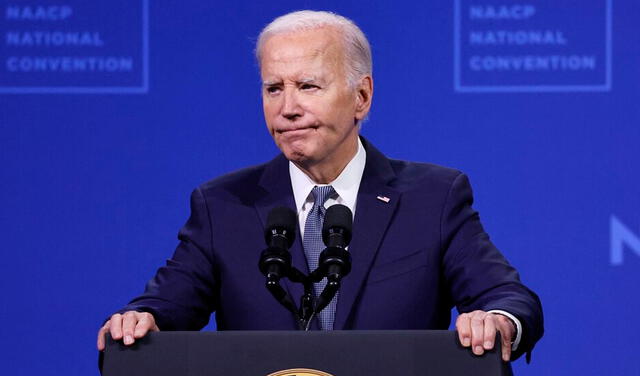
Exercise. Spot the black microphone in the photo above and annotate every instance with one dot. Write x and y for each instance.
(336, 229)
(275, 261)
(335, 260)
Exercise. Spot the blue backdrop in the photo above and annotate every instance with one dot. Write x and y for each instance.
(111, 112)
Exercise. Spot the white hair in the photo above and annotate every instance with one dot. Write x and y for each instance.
(356, 46)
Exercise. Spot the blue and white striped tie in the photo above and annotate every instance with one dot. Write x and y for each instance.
(313, 246)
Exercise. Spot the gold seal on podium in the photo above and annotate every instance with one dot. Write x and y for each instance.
(300, 372)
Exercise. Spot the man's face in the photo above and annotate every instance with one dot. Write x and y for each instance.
(309, 108)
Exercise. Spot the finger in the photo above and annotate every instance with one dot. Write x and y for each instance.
(101, 334)
(489, 332)
(506, 334)
(144, 325)
(463, 326)
(128, 325)
(506, 350)
(477, 332)
(116, 326)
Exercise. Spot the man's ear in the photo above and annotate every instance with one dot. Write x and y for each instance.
(364, 95)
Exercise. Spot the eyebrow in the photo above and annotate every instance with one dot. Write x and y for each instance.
(304, 80)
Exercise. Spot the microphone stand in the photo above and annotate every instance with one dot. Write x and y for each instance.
(309, 305)
(305, 312)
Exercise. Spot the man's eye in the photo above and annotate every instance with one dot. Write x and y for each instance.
(308, 87)
(273, 89)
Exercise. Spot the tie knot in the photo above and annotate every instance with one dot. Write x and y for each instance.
(321, 194)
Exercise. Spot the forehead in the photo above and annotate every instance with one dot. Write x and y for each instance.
(314, 49)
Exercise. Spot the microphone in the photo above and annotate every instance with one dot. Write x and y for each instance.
(336, 229)
(335, 260)
(275, 261)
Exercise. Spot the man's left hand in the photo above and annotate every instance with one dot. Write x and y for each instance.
(478, 330)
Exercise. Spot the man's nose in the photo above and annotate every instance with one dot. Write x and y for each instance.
(291, 107)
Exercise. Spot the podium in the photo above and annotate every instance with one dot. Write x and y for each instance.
(288, 353)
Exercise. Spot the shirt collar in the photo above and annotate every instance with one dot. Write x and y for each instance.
(346, 184)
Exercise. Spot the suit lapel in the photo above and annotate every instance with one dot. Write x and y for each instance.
(376, 204)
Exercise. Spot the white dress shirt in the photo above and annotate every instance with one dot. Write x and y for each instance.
(346, 186)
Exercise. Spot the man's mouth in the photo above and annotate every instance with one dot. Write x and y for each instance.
(295, 130)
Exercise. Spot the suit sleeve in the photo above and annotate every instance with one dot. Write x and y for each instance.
(479, 276)
(183, 293)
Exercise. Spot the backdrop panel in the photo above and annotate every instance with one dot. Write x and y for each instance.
(111, 112)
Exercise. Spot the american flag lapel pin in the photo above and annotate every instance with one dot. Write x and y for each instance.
(384, 199)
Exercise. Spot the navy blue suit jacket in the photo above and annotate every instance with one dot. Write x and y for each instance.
(414, 258)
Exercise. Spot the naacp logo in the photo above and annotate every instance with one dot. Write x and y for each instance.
(300, 372)
(76, 46)
(540, 46)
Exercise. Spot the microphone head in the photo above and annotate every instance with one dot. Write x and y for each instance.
(283, 221)
(338, 217)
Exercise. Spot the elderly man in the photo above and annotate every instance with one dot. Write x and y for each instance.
(418, 247)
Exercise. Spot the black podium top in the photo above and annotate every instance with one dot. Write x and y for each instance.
(337, 353)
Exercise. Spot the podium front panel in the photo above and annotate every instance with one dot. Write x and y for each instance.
(337, 353)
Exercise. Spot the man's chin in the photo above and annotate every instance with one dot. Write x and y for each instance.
(297, 153)
(297, 157)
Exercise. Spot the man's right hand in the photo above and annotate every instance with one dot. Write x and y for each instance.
(130, 325)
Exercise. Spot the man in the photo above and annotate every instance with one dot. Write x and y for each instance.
(418, 247)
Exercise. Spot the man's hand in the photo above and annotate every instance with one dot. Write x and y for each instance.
(478, 330)
(131, 325)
